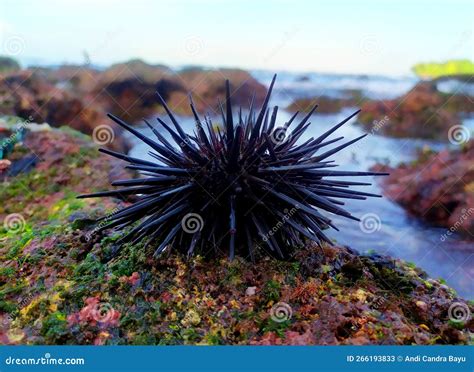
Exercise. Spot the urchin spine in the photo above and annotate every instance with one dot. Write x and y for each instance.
(238, 183)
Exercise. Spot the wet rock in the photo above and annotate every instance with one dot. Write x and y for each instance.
(172, 300)
(353, 270)
(80, 220)
(8, 65)
(421, 188)
(22, 165)
(130, 99)
(80, 79)
(80, 96)
(423, 112)
(207, 88)
(129, 89)
(388, 275)
(328, 105)
(31, 96)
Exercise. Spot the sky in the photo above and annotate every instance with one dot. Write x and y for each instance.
(361, 37)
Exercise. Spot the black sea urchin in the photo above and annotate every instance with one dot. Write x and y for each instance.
(226, 190)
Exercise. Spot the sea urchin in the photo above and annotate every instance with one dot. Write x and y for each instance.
(249, 187)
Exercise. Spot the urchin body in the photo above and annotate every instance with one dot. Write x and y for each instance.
(249, 188)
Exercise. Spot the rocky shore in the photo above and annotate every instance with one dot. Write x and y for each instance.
(80, 96)
(328, 105)
(62, 284)
(423, 112)
(437, 187)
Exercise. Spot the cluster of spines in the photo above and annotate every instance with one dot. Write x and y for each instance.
(237, 182)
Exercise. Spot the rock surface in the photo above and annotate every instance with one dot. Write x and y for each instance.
(32, 97)
(327, 105)
(61, 283)
(129, 89)
(423, 112)
(438, 187)
(80, 96)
